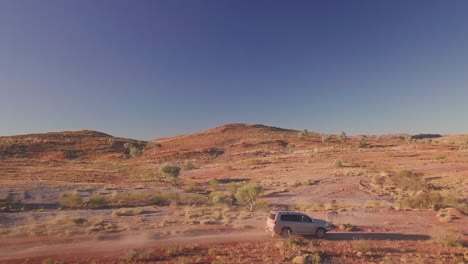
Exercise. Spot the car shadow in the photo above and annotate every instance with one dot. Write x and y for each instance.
(374, 236)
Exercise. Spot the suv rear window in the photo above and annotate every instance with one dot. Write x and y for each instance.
(272, 216)
(291, 218)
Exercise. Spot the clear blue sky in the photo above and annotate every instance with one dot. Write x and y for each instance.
(150, 69)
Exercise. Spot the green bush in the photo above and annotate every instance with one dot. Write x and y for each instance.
(171, 172)
(160, 199)
(218, 198)
(72, 201)
(97, 201)
(140, 199)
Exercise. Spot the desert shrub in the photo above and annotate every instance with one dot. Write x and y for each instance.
(153, 145)
(247, 195)
(188, 165)
(232, 187)
(253, 161)
(72, 201)
(311, 182)
(135, 152)
(433, 200)
(188, 199)
(139, 199)
(444, 217)
(296, 184)
(171, 172)
(362, 142)
(127, 212)
(446, 236)
(361, 245)
(347, 227)
(132, 199)
(193, 187)
(422, 200)
(332, 205)
(338, 163)
(111, 142)
(341, 137)
(214, 183)
(138, 256)
(68, 221)
(97, 201)
(295, 241)
(326, 138)
(218, 197)
(408, 139)
(131, 256)
(303, 134)
(315, 258)
(147, 175)
(406, 180)
(160, 199)
(373, 204)
(291, 147)
(47, 261)
(456, 201)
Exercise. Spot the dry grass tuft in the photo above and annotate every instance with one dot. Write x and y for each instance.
(347, 227)
(127, 212)
(446, 236)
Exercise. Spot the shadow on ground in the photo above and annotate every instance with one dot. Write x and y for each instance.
(375, 236)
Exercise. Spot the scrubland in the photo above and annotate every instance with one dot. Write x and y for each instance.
(79, 197)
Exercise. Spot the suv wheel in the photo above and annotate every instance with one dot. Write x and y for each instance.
(320, 233)
(286, 232)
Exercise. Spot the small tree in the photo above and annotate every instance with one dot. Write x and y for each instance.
(111, 142)
(326, 138)
(409, 139)
(303, 134)
(362, 142)
(171, 172)
(247, 194)
(342, 137)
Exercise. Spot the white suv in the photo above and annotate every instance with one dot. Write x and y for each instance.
(287, 223)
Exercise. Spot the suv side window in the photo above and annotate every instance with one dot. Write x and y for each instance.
(291, 218)
(306, 219)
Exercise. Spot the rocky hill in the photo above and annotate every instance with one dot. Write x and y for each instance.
(70, 145)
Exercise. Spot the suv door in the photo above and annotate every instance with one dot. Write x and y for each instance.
(307, 225)
(301, 224)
